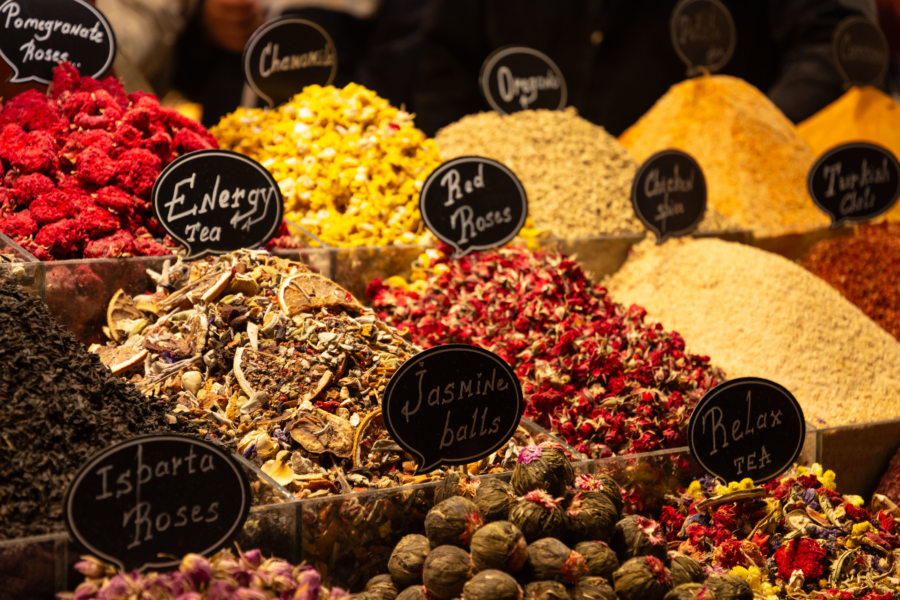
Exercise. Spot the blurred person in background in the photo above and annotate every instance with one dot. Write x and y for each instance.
(617, 55)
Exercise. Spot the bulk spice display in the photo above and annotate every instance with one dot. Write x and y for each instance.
(226, 575)
(592, 370)
(759, 314)
(754, 161)
(349, 164)
(79, 163)
(60, 407)
(865, 268)
(276, 361)
(862, 114)
(577, 176)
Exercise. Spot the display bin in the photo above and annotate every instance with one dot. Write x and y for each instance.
(39, 566)
(858, 453)
(18, 266)
(349, 538)
(794, 246)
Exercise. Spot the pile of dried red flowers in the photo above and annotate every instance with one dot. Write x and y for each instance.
(794, 536)
(592, 370)
(78, 164)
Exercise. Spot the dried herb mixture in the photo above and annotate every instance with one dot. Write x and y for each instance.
(865, 268)
(78, 166)
(60, 407)
(592, 370)
(277, 361)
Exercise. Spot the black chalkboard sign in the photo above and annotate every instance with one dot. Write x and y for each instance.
(473, 203)
(452, 405)
(36, 35)
(216, 201)
(703, 34)
(668, 194)
(516, 78)
(854, 182)
(150, 500)
(861, 52)
(286, 55)
(747, 427)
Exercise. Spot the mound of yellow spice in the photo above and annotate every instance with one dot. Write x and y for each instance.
(862, 114)
(350, 165)
(754, 161)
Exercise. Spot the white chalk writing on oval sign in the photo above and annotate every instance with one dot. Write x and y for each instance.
(257, 200)
(738, 430)
(526, 89)
(461, 219)
(854, 186)
(270, 62)
(141, 520)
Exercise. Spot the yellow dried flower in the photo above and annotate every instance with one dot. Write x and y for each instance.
(350, 165)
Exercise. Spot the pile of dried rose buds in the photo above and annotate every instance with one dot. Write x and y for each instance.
(592, 370)
(78, 166)
(223, 576)
(795, 536)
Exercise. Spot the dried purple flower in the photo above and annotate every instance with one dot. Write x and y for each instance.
(529, 453)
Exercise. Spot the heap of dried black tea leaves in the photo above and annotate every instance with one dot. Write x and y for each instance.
(60, 407)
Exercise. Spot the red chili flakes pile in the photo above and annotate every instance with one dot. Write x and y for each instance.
(865, 268)
(78, 163)
(593, 371)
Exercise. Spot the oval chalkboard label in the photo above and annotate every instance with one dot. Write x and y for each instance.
(148, 501)
(286, 55)
(747, 427)
(452, 405)
(473, 203)
(854, 182)
(703, 34)
(861, 52)
(216, 201)
(36, 35)
(668, 194)
(517, 78)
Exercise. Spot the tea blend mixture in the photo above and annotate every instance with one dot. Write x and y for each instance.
(754, 161)
(758, 314)
(350, 165)
(60, 407)
(278, 362)
(865, 268)
(793, 537)
(80, 162)
(592, 371)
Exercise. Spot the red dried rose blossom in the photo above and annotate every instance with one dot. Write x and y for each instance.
(800, 553)
(78, 165)
(592, 371)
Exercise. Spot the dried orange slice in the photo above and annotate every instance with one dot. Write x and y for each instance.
(307, 292)
(204, 289)
(319, 431)
(120, 359)
(122, 317)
